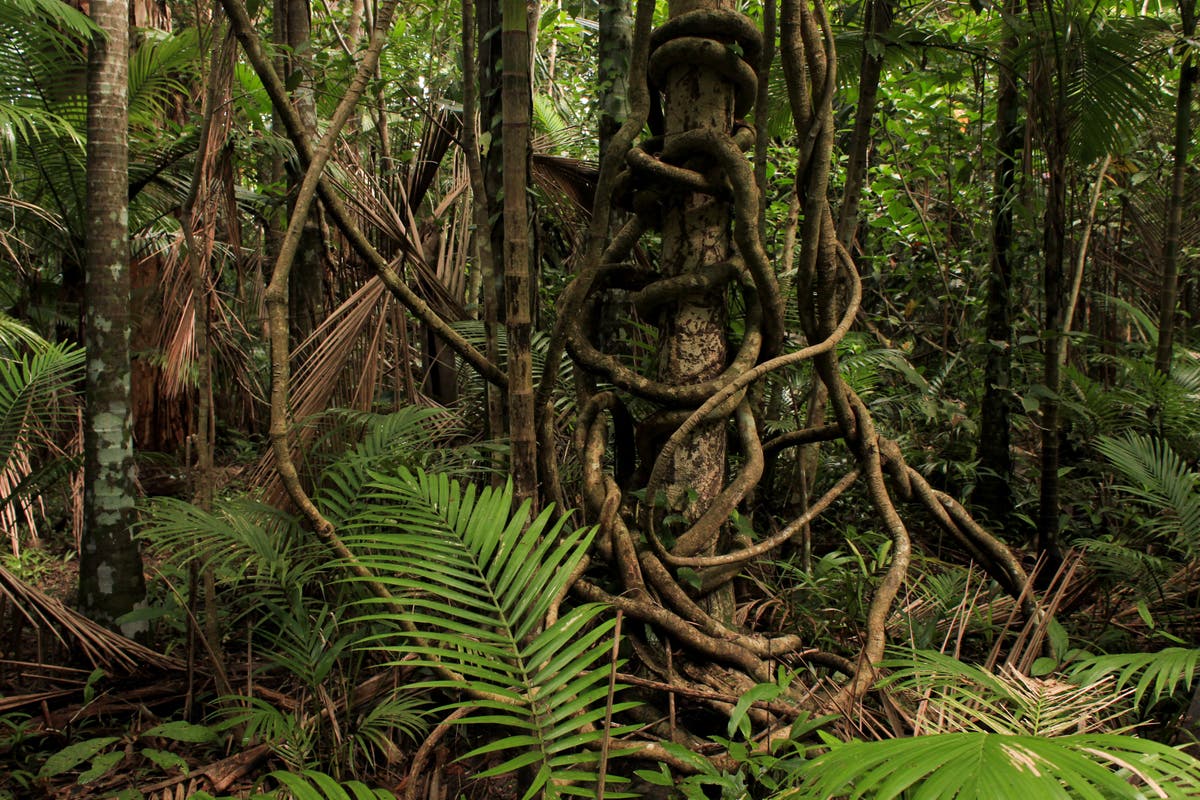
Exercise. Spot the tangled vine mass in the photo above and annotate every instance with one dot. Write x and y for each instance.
(691, 237)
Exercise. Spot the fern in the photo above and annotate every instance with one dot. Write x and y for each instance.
(244, 542)
(412, 437)
(478, 578)
(1125, 564)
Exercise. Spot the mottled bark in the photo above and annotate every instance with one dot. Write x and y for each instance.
(1169, 292)
(696, 235)
(993, 492)
(613, 49)
(518, 268)
(110, 568)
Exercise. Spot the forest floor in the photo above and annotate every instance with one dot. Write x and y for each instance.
(75, 723)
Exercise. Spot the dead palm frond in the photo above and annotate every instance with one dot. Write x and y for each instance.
(102, 648)
(941, 694)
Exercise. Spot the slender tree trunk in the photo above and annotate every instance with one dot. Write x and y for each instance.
(1053, 249)
(612, 66)
(110, 567)
(1169, 294)
(489, 14)
(293, 30)
(993, 492)
(519, 289)
(878, 22)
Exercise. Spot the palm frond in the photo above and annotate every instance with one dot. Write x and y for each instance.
(991, 766)
(413, 437)
(32, 390)
(315, 785)
(243, 541)
(1124, 564)
(62, 16)
(157, 72)
(479, 578)
(954, 696)
(1159, 478)
(1155, 676)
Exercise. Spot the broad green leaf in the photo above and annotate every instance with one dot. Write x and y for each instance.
(74, 754)
(183, 731)
(101, 766)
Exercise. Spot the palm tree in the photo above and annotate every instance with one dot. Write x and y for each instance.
(111, 583)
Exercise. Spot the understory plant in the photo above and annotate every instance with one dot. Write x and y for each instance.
(998, 734)
(476, 589)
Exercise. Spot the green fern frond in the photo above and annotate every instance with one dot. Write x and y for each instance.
(479, 577)
(1120, 562)
(412, 436)
(241, 540)
(549, 123)
(953, 696)
(59, 14)
(989, 766)
(1158, 477)
(157, 71)
(1155, 676)
(315, 785)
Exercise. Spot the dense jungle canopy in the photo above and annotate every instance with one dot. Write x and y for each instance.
(599, 398)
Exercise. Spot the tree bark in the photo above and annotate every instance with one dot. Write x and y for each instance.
(1169, 293)
(1053, 128)
(519, 289)
(695, 235)
(110, 567)
(293, 30)
(612, 66)
(993, 491)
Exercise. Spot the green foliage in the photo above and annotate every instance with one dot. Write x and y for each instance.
(955, 696)
(314, 785)
(103, 754)
(412, 437)
(279, 578)
(311, 784)
(1163, 483)
(1154, 676)
(36, 384)
(1000, 766)
(479, 578)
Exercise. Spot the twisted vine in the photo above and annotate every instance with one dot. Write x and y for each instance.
(674, 170)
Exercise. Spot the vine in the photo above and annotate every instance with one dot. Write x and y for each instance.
(691, 171)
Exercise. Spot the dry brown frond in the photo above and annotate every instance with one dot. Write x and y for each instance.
(101, 647)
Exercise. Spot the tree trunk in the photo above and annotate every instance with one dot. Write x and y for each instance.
(877, 23)
(993, 491)
(612, 66)
(306, 286)
(519, 290)
(110, 567)
(490, 62)
(1169, 293)
(1054, 234)
(696, 235)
